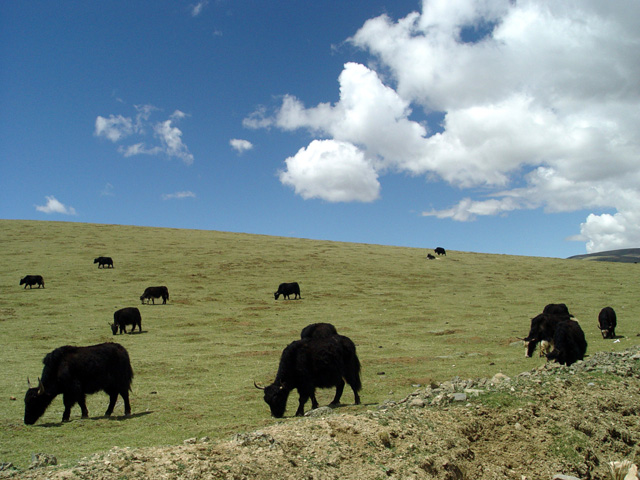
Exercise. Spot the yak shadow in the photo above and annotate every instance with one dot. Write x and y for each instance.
(123, 417)
(100, 417)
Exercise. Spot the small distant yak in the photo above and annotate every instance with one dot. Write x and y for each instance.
(151, 293)
(440, 251)
(126, 316)
(76, 372)
(607, 322)
(286, 289)
(310, 363)
(430, 257)
(31, 280)
(102, 261)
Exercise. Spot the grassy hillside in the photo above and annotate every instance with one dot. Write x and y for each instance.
(414, 321)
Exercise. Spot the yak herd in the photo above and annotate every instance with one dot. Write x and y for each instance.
(321, 358)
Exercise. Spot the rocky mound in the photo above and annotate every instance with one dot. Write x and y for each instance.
(549, 421)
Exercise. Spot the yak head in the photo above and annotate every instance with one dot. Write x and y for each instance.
(276, 395)
(606, 332)
(36, 402)
(529, 346)
(23, 281)
(275, 294)
(114, 328)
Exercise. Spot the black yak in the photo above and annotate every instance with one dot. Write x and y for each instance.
(151, 293)
(102, 261)
(31, 280)
(314, 363)
(76, 372)
(126, 316)
(562, 333)
(286, 289)
(607, 322)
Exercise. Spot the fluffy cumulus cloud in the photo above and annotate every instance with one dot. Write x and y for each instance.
(163, 137)
(540, 104)
(331, 170)
(53, 205)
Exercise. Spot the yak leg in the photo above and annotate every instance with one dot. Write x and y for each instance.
(69, 401)
(113, 398)
(339, 389)
(83, 406)
(127, 405)
(314, 402)
(303, 399)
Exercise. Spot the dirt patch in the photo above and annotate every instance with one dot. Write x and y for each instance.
(551, 420)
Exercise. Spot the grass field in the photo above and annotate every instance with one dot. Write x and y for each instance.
(414, 321)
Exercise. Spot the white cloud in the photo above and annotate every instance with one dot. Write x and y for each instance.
(333, 171)
(138, 149)
(541, 109)
(240, 145)
(198, 7)
(54, 206)
(178, 195)
(116, 128)
(113, 128)
(171, 138)
(610, 232)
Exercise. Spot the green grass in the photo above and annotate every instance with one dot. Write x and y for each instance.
(413, 321)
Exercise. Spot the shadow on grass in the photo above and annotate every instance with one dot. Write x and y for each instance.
(102, 417)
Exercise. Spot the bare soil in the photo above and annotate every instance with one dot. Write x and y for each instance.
(551, 420)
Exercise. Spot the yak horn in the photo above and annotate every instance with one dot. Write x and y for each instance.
(40, 387)
(28, 382)
(256, 385)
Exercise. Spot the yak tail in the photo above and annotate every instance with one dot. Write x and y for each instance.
(352, 364)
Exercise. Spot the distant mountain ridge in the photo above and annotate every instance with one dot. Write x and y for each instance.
(624, 255)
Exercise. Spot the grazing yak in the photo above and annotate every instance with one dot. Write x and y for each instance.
(76, 372)
(551, 313)
(286, 289)
(32, 280)
(151, 293)
(314, 363)
(607, 322)
(569, 344)
(559, 331)
(318, 330)
(126, 316)
(102, 261)
(440, 251)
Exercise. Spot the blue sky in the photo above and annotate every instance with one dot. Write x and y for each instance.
(498, 127)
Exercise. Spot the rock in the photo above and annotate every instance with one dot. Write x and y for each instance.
(39, 460)
(190, 441)
(417, 403)
(559, 476)
(459, 397)
(319, 412)
(500, 378)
